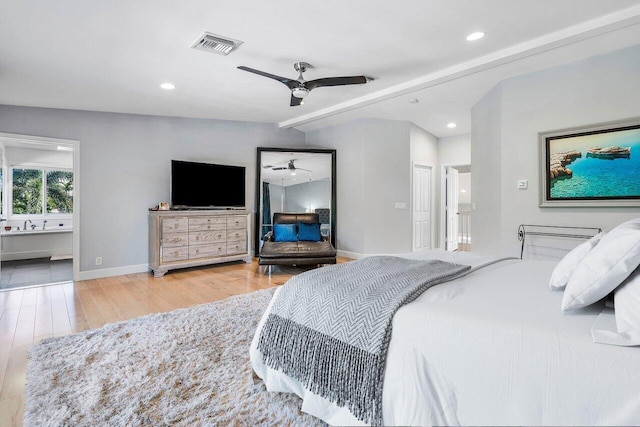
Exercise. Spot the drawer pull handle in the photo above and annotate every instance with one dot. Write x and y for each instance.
(197, 251)
(175, 253)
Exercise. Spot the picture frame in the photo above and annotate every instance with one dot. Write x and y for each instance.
(592, 166)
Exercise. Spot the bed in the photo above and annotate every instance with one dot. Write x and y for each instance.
(491, 348)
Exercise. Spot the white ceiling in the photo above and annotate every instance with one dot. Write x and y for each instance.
(312, 167)
(113, 55)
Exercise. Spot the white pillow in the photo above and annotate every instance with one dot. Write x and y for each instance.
(627, 304)
(604, 331)
(567, 265)
(607, 265)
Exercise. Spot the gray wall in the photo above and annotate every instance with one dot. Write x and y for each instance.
(275, 194)
(350, 199)
(455, 150)
(125, 167)
(314, 194)
(297, 198)
(505, 127)
(374, 160)
(486, 179)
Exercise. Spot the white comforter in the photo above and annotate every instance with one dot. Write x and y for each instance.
(492, 348)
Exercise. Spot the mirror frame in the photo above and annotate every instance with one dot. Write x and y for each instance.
(258, 192)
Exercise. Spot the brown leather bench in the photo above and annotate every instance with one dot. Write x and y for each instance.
(298, 252)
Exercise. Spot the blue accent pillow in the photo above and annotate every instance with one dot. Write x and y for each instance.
(309, 232)
(285, 233)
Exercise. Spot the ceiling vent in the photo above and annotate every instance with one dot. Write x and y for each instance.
(216, 44)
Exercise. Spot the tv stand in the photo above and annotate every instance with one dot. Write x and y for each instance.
(190, 238)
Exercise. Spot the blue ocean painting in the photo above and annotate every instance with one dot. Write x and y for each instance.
(599, 176)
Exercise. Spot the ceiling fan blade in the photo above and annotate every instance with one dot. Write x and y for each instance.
(286, 81)
(300, 169)
(295, 101)
(279, 169)
(335, 81)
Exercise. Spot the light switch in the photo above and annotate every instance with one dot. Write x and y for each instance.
(523, 184)
(401, 205)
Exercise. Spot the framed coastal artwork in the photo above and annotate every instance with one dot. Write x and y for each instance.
(591, 166)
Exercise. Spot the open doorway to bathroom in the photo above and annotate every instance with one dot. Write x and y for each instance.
(38, 177)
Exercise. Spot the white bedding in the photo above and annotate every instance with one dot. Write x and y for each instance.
(493, 348)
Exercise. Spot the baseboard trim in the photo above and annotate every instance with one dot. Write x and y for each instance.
(116, 271)
(352, 255)
(17, 256)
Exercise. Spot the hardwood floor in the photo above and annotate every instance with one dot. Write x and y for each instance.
(29, 315)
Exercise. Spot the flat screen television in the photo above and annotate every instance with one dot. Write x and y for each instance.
(206, 185)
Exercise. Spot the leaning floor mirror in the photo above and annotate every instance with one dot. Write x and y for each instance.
(295, 181)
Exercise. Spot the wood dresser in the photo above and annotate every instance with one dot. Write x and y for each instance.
(179, 239)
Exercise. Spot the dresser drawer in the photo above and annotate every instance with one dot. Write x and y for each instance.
(236, 248)
(207, 251)
(236, 221)
(170, 240)
(207, 223)
(236, 235)
(204, 237)
(175, 254)
(175, 224)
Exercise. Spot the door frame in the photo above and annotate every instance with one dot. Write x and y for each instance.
(443, 200)
(431, 201)
(76, 189)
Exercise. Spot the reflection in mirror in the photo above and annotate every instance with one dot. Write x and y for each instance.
(295, 181)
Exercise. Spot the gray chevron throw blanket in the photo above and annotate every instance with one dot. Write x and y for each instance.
(329, 328)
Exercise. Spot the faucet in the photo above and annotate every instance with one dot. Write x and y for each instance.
(44, 224)
(25, 223)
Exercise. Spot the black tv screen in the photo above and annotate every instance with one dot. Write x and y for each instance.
(206, 185)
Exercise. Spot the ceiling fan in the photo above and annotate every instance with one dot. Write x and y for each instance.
(300, 88)
(290, 166)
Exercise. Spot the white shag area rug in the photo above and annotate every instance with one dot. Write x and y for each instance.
(188, 367)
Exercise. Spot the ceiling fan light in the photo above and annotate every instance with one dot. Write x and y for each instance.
(299, 92)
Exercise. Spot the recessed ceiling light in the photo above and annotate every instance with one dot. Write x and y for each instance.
(293, 173)
(475, 36)
(463, 191)
(414, 101)
(451, 125)
(168, 86)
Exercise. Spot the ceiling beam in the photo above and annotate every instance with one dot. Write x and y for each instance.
(593, 28)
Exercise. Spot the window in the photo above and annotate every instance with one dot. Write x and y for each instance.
(59, 192)
(41, 192)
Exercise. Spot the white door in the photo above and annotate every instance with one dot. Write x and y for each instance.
(421, 207)
(3, 215)
(452, 209)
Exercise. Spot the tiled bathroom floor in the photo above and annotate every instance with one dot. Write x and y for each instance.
(37, 271)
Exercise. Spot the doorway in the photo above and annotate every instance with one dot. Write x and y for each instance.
(422, 206)
(39, 205)
(456, 208)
